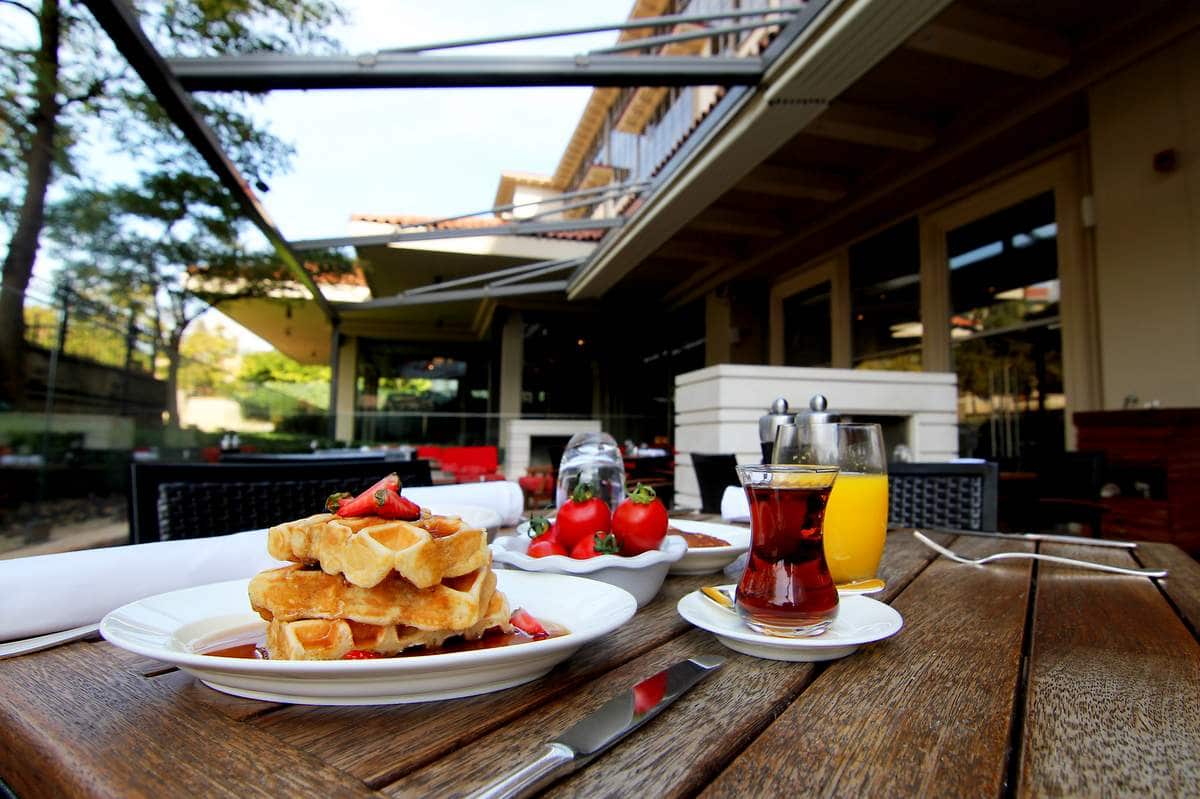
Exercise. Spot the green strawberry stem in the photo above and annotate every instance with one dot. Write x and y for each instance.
(538, 525)
(606, 543)
(642, 494)
(583, 492)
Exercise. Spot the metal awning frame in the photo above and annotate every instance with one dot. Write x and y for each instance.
(120, 22)
(500, 283)
(629, 24)
(499, 229)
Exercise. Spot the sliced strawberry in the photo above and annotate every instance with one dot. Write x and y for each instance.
(394, 506)
(335, 501)
(361, 654)
(364, 504)
(528, 624)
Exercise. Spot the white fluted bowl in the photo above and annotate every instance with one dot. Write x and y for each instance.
(641, 575)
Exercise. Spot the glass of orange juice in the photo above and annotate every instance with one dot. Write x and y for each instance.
(857, 513)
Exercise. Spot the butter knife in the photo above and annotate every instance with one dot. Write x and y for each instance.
(599, 730)
(1048, 538)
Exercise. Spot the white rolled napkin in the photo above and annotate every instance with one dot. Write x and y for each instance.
(47, 593)
(734, 505)
(502, 496)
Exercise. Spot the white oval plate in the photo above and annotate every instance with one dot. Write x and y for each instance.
(860, 620)
(175, 627)
(706, 560)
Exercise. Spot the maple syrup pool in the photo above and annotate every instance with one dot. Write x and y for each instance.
(254, 647)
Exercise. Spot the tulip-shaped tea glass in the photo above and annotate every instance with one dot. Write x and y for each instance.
(786, 589)
(856, 519)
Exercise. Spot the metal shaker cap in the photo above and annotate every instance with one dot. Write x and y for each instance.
(769, 422)
(817, 412)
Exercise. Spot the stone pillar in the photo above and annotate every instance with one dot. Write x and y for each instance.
(345, 379)
(512, 364)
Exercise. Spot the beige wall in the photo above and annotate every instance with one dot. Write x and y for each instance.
(1148, 228)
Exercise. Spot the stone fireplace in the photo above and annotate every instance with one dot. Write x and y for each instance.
(717, 410)
(519, 436)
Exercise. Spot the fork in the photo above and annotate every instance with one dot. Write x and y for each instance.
(27, 645)
(1083, 564)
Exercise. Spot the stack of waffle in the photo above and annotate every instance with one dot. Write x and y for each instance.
(376, 586)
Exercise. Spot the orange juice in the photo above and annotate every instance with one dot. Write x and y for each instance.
(856, 526)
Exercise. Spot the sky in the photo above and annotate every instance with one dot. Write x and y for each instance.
(426, 151)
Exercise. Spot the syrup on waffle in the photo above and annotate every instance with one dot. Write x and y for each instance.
(298, 592)
(331, 639)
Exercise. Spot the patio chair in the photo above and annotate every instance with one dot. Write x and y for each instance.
(952, 495)
(714, 473)
(188, 500)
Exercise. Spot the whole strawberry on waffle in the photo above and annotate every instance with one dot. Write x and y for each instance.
(374, 575)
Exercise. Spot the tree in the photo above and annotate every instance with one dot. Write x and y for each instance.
(158, 248)
(207, 355)
(59, 73)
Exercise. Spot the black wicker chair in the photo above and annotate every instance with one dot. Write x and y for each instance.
(958, 496)
(714, 473)
(188, 500)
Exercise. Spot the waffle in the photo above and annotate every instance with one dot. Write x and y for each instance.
(299, 592)
(331, 639)
(367, 550)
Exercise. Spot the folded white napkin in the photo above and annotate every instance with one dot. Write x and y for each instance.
(502, 496)
(46, 593)
(734, 505)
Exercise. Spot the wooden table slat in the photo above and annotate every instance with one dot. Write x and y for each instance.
(926, 713)
(86, 725)
(1182, 585)
(1113, 703)
(668, 757)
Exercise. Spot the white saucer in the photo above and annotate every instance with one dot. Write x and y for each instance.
(860, 620)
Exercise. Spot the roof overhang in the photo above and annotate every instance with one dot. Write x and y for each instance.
(847, 39)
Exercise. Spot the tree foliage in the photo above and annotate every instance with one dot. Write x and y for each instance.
(60, 77)
(275, 367)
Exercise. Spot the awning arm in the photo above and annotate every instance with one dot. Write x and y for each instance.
(630, 24)
(121, 24)
(510, 229)
(502, 276)
(458, 296)
(268, 72)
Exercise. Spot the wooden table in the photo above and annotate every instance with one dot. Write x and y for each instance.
(1009, 679)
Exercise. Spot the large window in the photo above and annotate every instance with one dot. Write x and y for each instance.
(885, 299)
(1005, 333)
(412, 393)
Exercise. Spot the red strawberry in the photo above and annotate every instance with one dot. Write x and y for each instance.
(394, 506)
(361, 654)
(528, 624)
(363, 504)
(595, 544)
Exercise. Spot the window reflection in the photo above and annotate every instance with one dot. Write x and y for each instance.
(1005, 332)
(885, 299)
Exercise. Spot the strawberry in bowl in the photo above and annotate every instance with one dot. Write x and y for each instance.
(628, 550)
